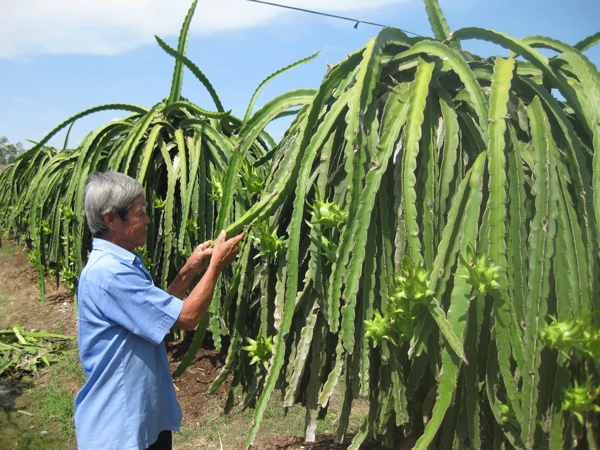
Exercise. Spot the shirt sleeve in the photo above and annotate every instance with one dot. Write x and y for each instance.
(131, 300)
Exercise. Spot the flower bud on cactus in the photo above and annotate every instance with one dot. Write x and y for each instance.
(379, 329)
(480, 275)
(562, 335)
(327, 214)
(260, 349)
(158, 202)
(578, 334)
(580, 399)
(217, 190)
(252, 181)
(269, 243)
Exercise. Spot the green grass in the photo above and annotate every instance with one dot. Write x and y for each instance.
(53, 397)
(41, 416)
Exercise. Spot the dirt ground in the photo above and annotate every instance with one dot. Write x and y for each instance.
(20, 304)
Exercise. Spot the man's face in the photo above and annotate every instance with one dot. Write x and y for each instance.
(131, 233)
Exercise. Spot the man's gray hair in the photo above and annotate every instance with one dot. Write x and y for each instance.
(109, 192)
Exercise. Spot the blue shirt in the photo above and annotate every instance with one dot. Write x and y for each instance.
(128, 397)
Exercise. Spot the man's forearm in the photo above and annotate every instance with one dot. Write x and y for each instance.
(196, 304)
(181, 283)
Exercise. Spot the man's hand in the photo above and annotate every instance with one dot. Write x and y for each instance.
(197, 302)
(225, 250)
(196, 263)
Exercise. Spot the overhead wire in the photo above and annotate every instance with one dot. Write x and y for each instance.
(356, 21)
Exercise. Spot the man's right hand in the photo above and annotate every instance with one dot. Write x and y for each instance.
(225, 250)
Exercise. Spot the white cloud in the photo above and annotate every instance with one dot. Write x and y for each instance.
(34, 27)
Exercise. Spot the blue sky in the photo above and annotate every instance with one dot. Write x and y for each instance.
(59, 57)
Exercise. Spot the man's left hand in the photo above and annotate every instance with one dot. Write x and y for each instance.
(197, 260)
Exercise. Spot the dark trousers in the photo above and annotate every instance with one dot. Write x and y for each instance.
(164, 441)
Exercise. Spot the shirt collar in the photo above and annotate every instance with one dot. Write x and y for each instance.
(105, 246)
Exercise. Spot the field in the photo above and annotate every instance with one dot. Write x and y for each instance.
(421, 257)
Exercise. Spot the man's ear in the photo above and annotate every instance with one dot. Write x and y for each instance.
(109, 219)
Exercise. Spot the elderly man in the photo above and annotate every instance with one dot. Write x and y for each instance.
(128, 401)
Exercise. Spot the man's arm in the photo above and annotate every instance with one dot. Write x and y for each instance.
(197, 303)
(193, 266)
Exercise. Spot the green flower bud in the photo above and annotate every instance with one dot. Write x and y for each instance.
(591, 344)
(508, 415)
(562, 335)
(252, 181)
(217, 190)
(379, 329)
(480, 275)
(580, 399)
(327, 214)
(260, 349)
(66, 213)
(269, 243)
(159, 203)
(45, 229)
(412, 284)
(191, 226)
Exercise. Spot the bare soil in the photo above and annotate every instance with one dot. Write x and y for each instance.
(20, 304)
